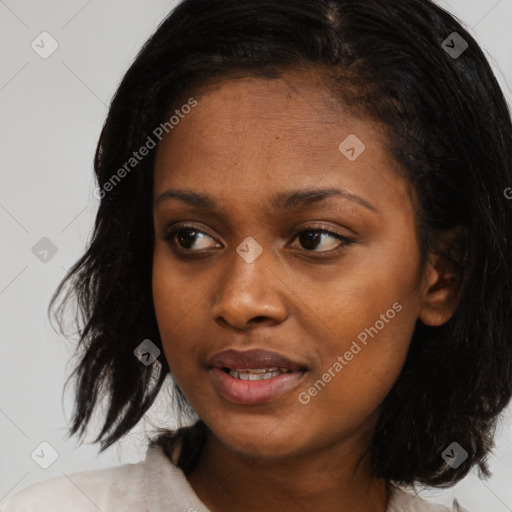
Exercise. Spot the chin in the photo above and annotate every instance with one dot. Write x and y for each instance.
(268, 439)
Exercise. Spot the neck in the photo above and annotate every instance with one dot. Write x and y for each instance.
(332, 479)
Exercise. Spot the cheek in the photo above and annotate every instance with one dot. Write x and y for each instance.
(175, 304)
(371, 302)
(175, 288)
(371, 314)
(348, 391)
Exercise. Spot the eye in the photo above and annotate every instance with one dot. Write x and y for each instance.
(186, 237)
(311, 238)
(192, 239)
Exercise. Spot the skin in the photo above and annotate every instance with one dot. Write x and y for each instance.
(246, 140)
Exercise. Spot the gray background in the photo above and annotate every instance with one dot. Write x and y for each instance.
(52, 111)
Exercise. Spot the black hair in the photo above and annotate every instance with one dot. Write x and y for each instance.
(448, 129)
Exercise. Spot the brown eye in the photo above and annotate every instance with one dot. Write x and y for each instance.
(191, 239)
(185, 238)
(311, 238)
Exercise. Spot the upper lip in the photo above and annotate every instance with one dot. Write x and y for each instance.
(252, 359)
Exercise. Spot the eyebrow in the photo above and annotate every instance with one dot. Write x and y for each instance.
(281, 202)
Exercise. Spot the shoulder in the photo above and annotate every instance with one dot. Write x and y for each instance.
(86, 491)
(402, 500)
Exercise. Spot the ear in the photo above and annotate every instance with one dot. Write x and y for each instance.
(440, 289)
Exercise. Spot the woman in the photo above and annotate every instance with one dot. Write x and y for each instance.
(303, 221)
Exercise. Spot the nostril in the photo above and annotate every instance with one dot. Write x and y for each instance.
(259, 319)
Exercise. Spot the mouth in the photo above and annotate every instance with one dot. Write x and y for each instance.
(254, 377)
(256, 373)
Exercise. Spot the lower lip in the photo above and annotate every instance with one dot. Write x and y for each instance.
(249, 392)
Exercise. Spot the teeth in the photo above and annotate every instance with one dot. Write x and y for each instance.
(257, 373)
(258, 370)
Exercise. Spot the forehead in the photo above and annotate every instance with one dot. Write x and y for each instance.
(254, 136)
(296, 106)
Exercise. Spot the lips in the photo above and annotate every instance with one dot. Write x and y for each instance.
(254, 376)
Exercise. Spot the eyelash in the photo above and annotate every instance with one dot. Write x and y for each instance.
(171, 232)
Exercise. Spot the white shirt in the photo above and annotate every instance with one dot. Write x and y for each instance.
(153, 485)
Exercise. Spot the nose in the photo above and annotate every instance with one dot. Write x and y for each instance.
(249, 294)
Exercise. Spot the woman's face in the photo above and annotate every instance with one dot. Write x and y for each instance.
(338, 312)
